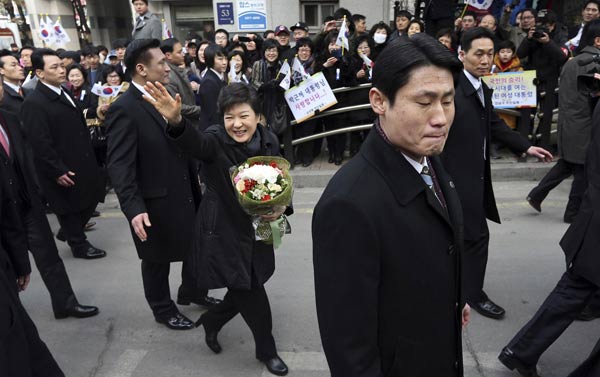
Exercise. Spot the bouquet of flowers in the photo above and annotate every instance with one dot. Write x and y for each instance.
(263, 183)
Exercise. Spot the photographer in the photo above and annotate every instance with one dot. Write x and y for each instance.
(542, 51)
(516, 34)
(574, 125)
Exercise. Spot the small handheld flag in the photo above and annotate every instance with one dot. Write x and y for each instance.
(166, 33)
(106, 91)
(286, 81)
(342, 39)
(297, 67)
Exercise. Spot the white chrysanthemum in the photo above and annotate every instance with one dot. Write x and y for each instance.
(274, 187)
(240, 185)
(260, 173)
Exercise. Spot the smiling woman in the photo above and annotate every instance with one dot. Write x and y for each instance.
(226, 252)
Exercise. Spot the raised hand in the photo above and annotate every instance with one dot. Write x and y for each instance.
(167, 106)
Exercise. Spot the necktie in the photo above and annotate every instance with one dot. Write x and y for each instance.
(4, 141)
(480, 94)
(21, 91)
(430, 180)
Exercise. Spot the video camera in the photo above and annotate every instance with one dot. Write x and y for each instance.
(540, 30)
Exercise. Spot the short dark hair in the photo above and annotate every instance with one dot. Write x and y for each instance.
(470, 35)
(80, 68)
(357, 17)
(470, 13)
(76, 56)
(224, 32)
(305, 42)
(90, 50)
(233, 53)
(102, 48)
(27, 47)
(530, 10)
(267, 45)
(145, 1)
(597, 2)
(211, 52)
(168, 45)
(418, 22)
(363, 38)
(236, 94)
(119, 43)
(3, 53)
(380, 25)
(137, 52)
(404, 13)
(37, 57)
(110, 69)
(550, 18)
(341, 12)
(506, 44)
(267, 32)
(402, 56)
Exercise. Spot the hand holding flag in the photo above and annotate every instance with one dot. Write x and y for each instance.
(106, 91)
(285, 69)
(297, 67)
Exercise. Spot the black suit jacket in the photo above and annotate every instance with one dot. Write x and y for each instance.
(465, 159)
(12, 101)
(61, 142)
(387, 268)
(151, 174)
(209, 93)
(580, 242)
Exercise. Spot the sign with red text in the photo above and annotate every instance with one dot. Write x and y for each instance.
(512, 89)
(311, 95)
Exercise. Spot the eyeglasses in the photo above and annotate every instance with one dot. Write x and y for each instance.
(527, 17)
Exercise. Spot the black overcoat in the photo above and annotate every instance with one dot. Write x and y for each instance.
(580, 242)
(387, 269)
(225, 252)
(12, 101)
(61, 142)
(151, 174)
(209, 93)
(466, 160)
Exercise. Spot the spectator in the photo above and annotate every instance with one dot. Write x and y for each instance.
(147, 25)
(222, 38)
(94, 65)
(190, 52)
(120, 46)
(542, 51)
(198, 66)
(266, 69)
(380, 33)
(402, 21)
(360, 26)
(240, 66)
(102, 53)
(282, 35)
(506, 59)
(300, 30)
(269, 34)
(468, 21)
(178, 81)
(447, 38)
(415, 26)
(112, 77)
(489, 22)
(80, 91)
(305, 152)
(516, 34)
(70, 57)
(212, 82)
(589, 12)
(253, 48)
(31, 79)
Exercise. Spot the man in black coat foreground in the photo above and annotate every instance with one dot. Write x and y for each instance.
(22, 352)
(17, 167)
(576, 286)
(387, 232)
(466, 157)
(156, 184)
(64, 158)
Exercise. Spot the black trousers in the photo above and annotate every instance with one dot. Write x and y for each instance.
(254, 307)
(547, 105)
(42, 246)
(305, 151)
(561, 307)
(155, 278)
(474, 264)
(336, 144)
(559, 172)
(72, 225)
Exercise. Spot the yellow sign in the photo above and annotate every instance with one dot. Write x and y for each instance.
(512, 89)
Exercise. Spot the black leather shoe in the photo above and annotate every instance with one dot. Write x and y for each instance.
(176, 321)
(96, 214)
(88, 226)
(205, 301)
(77, 311)
(338, 161)
(534, 204)
(488, 309)
(508, 358)
(89, 252)
(210, 337)
(276, 366)
(588, 314)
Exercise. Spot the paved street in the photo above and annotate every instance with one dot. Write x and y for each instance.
(123, 340)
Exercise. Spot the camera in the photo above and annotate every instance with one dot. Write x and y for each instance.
(539, 32)
(244, 39)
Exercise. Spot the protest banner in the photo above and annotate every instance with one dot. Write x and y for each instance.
(512, 89)
(311, 95)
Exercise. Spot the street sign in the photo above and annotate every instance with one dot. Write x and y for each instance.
(225, 13)
(252, 14)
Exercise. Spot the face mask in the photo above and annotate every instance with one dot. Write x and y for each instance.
(379, 38)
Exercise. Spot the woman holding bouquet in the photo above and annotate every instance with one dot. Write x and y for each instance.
(225, 252)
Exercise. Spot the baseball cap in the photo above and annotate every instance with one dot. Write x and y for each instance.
(299, 25)
(281, 29)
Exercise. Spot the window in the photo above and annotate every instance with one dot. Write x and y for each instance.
(314, 12)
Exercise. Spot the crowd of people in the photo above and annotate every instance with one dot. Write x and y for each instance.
(182, 113)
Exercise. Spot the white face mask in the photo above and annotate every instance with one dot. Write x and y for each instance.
(379, 38)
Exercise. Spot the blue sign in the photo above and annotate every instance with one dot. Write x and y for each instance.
(252, 15)
(225, 13)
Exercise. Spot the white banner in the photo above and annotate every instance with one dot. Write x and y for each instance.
(310, 96)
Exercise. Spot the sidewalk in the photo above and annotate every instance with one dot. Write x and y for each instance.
(505, 169)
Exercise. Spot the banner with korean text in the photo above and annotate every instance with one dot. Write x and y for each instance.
(513, 89)
(311, 95)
